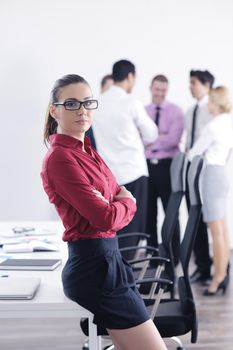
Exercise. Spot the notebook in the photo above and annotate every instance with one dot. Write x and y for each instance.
(28, 247)
(18, 288)
(29, 264)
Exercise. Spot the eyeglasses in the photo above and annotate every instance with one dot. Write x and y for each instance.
(22, 230)
(76, 105)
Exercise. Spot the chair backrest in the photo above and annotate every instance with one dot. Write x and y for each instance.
(194, 176)
(177, 173)
(187, 302)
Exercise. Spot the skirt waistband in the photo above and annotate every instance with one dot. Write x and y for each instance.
(88, 246)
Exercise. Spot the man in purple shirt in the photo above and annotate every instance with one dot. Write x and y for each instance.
(170, 121)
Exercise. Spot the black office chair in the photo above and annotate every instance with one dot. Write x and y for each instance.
(165, 267)
(178, 176)
(174, 317)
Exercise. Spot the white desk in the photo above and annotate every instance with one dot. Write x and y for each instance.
(49, 301)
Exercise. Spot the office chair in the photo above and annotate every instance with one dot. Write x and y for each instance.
(177, 174)
(174, 317)
(165, 266)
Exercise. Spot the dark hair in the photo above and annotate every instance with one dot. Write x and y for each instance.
(121, 69)
(105, 78)
(160, 77)
(204, 76)
(50, 126)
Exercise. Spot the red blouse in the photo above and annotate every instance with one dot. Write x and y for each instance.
(69, 177)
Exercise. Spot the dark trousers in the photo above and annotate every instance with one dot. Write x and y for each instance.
(159, 186)
(91, 136)
(138, 188)
(201, 244)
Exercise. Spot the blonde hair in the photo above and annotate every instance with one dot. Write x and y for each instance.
(221, 97)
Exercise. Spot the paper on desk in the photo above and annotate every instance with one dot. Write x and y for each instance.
(35, 232)
(32, 246)
(10, 241)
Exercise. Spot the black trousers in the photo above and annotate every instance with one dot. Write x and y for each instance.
(201, 244)
(138, 188)
(159, 186)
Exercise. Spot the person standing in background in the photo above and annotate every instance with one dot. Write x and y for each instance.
(105, 84)
(196, 118)
(216, 143)
(122, 127)
(169, 119)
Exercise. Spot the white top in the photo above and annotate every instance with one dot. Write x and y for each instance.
(203, 116)
(215, 141)
(121, 128)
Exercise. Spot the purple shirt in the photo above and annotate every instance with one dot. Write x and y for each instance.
(171, 125)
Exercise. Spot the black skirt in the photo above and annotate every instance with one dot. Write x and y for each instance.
(99, 279)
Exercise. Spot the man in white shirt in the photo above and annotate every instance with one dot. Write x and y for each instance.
(196, 117)
(122, 128)
(105, 84)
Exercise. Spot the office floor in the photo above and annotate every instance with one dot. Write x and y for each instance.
(215, 315)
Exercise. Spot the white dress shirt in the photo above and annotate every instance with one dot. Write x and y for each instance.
(215, 141)
(203, 117)
(121, 128)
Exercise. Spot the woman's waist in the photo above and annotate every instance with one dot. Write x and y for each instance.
(84, 247)
(78, 232)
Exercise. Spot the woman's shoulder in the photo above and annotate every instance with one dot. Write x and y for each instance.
(223, 121)
(58, 154)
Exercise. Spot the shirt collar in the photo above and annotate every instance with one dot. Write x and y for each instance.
(161, 105)
(203, 101)
(68, 141)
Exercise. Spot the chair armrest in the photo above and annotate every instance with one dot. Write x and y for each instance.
(154, 258)
(161, 281)
(147, 248)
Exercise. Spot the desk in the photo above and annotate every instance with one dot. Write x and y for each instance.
(49, 301)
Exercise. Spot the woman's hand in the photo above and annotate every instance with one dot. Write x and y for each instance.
(124, 193)
(99, 195)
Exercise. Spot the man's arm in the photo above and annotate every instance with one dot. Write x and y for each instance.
(146, 126)
(172, 138)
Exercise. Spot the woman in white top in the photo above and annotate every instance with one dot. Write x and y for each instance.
(216, 142)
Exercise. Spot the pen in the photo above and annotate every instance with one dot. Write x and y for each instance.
(4, 276)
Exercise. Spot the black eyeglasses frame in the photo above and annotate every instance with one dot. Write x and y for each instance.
(84, 103)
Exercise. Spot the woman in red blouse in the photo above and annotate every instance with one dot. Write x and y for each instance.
(92, 207)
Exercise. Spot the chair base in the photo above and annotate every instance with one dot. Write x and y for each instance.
(179, 342)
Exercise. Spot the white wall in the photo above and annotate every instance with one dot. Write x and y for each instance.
(42, 40)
